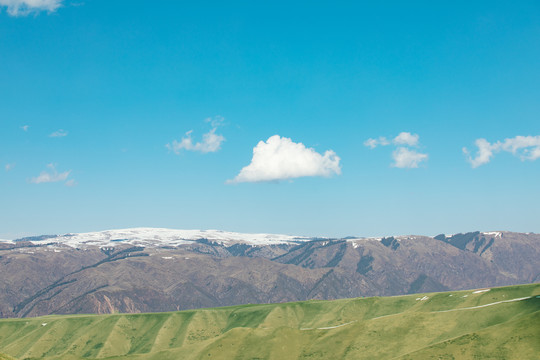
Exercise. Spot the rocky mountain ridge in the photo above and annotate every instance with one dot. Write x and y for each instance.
(144, 271)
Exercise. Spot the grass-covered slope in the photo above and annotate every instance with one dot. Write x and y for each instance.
(502, 323)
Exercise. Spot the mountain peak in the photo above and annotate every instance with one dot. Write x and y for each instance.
(154, 237)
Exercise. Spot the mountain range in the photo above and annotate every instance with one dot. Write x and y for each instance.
(152, 270)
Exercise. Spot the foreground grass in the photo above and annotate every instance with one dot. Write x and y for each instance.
(5, 357)
(451, 325)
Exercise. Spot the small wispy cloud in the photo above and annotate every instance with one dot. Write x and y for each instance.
(279, 158)
(211, 142)
(215, 121)
(483, 154)
(9, 167)
(406, 138)
(51, 175)
(27, 7)
(24, 127)
(403, 156)
(59, 133)
(407, 159)
(70, 183)
(373, 143)
(524, 147)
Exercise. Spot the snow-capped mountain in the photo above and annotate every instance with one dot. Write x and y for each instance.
(157, 237)
(166, 270)
(154, 237)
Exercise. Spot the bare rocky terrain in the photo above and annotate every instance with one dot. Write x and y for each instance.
(45, 275)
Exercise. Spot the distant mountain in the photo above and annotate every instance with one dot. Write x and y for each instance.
(148, 270)
(156, 237)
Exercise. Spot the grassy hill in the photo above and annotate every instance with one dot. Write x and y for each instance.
(502, 323)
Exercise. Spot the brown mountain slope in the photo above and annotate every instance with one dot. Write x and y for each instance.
(59, 280)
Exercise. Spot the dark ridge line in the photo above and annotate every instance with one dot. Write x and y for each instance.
(364, 265)
(53, 295)
(211, 244)
(46, 299)
(122, 254)
(17, 308)
(417, 284)
(294, 248)
(79, 297)
(302, 256)
(304, 244)
(311, 247)
(390, 242)
(478, 243)
(338, 256)
(488, 245)
(210, 253)
(204, 292)
(298, 259)
(461, 240)
(331, 271)
(238, 249)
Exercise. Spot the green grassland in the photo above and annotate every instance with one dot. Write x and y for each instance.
(450, 325)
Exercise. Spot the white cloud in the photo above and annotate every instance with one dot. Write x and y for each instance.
(215, 121)
(50, 176)
(405, 158)
(373, 143)
(9, 167)
(483, 155)
(534, 153)
(406, 138)
(26, 7)
(524, 147)
(70, 183)
(24, 127)
(211, 142)
(59, 133)
(280, 158)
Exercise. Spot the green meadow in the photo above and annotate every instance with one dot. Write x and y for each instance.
(502, 323)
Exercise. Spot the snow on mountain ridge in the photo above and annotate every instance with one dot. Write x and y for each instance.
(151, 237)
(155, 237)
(497, 234)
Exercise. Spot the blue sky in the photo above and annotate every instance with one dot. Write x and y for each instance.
(121, 114)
